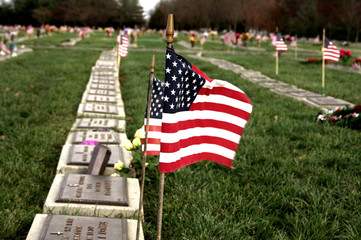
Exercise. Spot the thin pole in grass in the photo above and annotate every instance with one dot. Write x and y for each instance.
(323, 62)
(170, 40)
(117, 52)
(150, 88)
(276, 55)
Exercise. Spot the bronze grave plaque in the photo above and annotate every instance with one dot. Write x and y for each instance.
(101, 92)
(97, 123)
(327, 101)
(103, 81)
(91, 189)
(103, 73)
(105, 99)
(81, 155)
(100, 108)
(67, 227)
(102, 86)
(109, 137)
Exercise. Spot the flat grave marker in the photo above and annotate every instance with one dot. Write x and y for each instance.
(304, 94)
(68, 227)
(81, 155)
(327, 101)
(86, 195)
(91, 189)
(106, 137)
(102, 86)
(274, 84)
(102, 92)
(103, 81)
(289, 90)
(99, 160)
(100, 108)
(104, 99)
(97, 123)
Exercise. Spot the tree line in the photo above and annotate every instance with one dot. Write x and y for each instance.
(103, 13)
(341, 18)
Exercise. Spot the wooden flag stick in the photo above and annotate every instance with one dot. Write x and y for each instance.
(170, 40)
(150, 88)
(296, 48)
(323, 62)
(276, 53)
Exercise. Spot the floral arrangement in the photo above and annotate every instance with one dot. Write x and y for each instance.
(344, 117)
(356, 63)
(313, 60)
(345, 55)
(135, 167)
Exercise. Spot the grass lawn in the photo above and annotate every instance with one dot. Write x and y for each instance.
(56, 39)
(39, 100)
(293, 178)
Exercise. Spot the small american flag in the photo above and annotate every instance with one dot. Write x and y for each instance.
(123, 47)
(280, 44)
(203, 118)
(4, 48)
(155, 118)
(118, 39)
(330, 51)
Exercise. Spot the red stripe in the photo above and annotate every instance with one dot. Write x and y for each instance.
(197, 70)
(185, 161)
(153, 140)
(152, 153)
(225, 92)
(217, 107)
(183, 143)
(153, 128)
(183, 125)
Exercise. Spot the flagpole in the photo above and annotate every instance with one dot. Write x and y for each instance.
(323, 62)
(170, 40)
(276, 54)
(150, 88)
(296, 48)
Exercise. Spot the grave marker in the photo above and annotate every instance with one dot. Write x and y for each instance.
(90, 189)
(100, 108)
(328, 101)
(104, 99)
(101, 92)
(81, 155)
(106, 137)
(97, 123)
(102, 86)
(66, 227)
(99, 160)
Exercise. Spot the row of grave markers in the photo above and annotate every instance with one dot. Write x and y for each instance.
(84, 206)
(309, 98)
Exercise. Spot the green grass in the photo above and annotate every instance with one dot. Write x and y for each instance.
(293, 178)
(98, 39)
(39, 100)
(56, 39)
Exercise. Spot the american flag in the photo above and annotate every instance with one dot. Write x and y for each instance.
(118, 38)
(155, 118)
(330, 51)
(280, 44)
(123, 47)
(203, 118)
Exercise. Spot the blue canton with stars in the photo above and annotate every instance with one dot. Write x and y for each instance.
(181, 84)
(156, 104)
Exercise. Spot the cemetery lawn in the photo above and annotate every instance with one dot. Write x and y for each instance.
(40, 94)
(293, 178)
(56, 39)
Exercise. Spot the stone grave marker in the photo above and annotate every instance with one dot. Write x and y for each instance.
(90, 189)
(102, 86)
(97, 123)
(81, 155)
(66, 227)
(100, 108)
(101, 92)
(274, 84)
(105, 137)
(99, 160)
(103, 81)
(103, 73)
(327, 101)
(253, 75)
(304, 94)
(104, 99)
(86, 195)
(260, 79)
(288, 90)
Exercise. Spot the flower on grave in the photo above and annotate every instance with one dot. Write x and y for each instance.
(119, 165)
(128, 145)
(343, 117)
(115, 175)
(136, 142)
(312, 59)
(140, 133)
(345, 55)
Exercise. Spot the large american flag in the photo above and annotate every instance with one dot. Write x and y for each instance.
(155, 118)
(330, 51)
(123, 47)
(280, 44)
(203, 118)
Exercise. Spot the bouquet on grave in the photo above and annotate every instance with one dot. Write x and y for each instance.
(344, 117)
(345, 55)
(135, 167)
(313, 60)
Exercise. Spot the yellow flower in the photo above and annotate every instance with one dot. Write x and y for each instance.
(128, 145)
(137, 142)
(119, 165)
(140, 133)
(115, 175)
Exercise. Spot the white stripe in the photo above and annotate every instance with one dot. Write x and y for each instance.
(197, 132)
(221, 83)
(224, 100)
(194, 149)
(152, 147)
(153, 134)
(193, 115)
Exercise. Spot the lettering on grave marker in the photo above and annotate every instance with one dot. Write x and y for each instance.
(101, 92)
(81, 155)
